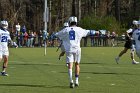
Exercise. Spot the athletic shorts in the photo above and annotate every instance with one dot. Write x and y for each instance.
(73, 56)
(128, 45)
(3, 53)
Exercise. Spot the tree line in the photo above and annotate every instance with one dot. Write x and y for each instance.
(92, 14)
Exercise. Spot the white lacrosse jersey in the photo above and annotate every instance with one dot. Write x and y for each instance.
(4, 37)
(71, 37)
(136, 37)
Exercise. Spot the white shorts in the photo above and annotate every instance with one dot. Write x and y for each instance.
(73, 56)
(138, 52)
(4, 53)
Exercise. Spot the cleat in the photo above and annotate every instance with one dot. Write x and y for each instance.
(76, 84)
(4, 74)
(117, 60)
(135, 62)
(71, 85)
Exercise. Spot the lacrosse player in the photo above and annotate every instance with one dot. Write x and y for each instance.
(136, 38)
(66, 24)
(4, 39)
(71, 37)
(128, 45)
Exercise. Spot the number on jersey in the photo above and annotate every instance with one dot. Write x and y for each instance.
(4, 39)
(72, 35)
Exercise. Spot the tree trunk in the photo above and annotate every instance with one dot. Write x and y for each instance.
(117, 9)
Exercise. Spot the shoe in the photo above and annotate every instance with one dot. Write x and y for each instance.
(76, 84)
(4, 74)
(135, 62)
(117, 60)
(71, 85)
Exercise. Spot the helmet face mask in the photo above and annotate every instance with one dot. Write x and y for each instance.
(4, 24)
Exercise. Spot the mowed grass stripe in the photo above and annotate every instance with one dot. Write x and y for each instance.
(32, 72)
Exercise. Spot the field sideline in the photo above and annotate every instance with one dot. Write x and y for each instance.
(32, 72)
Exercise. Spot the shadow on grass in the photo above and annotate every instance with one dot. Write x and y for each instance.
(35, 86)
(89, 63)
(105, 73)
(22, 85)
(113, 73)
(28, 64)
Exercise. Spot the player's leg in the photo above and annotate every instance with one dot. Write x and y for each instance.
(77, 72)
(70, 66)
(1, 57)
(5, 64)
(77, 67)
(69, 58)
(61, 54)
(132, 53)
(123, 52)
(120, 54)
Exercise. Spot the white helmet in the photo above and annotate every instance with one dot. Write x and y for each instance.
(73, 19)
(4, 24)
(66, 24)
(135, 22)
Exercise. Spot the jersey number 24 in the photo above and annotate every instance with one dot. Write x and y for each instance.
(4, 39)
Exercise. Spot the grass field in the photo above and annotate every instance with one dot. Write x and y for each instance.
(32, 72)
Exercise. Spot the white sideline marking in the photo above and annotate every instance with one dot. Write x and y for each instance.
(88, 77)
(112, 84)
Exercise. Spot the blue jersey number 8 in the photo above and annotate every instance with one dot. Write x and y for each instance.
(4, 39)
(72, 35)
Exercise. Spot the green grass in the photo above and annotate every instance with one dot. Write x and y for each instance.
(32, 72)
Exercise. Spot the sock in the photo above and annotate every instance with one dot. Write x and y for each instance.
(70, 75)
(76, 78)
(4, 68)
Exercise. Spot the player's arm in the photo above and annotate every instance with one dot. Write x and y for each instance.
(11, 42)
(90, 32)
(133, 42)
(60, 34)
(128, 32)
